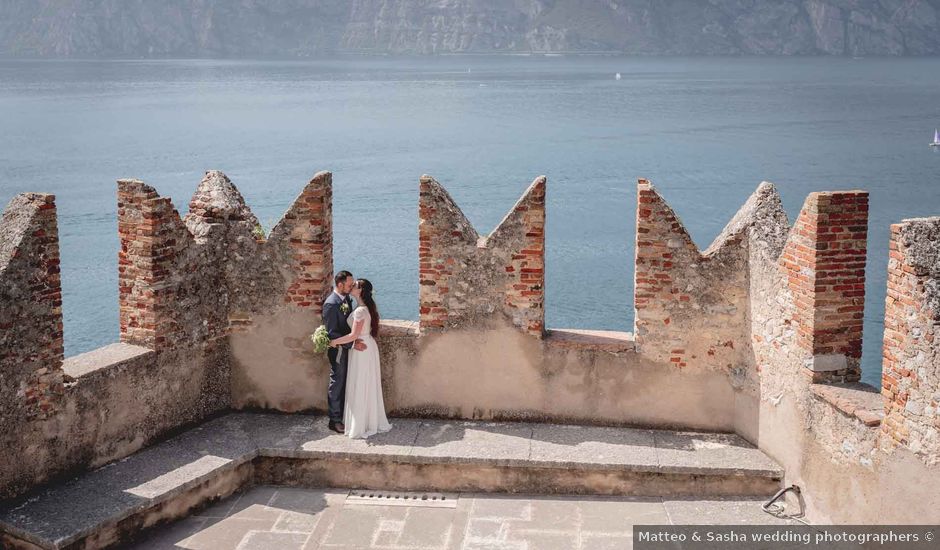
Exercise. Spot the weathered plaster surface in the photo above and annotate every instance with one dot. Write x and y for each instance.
(517, 377)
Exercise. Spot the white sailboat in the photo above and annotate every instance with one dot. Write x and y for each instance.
(936, 138)
(617, 76)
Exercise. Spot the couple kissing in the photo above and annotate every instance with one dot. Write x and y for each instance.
(354, 397)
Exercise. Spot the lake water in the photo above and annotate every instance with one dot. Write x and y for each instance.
(705, 131)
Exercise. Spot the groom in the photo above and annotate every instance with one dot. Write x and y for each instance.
(336, 308)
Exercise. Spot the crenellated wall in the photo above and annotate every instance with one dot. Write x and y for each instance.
(31, 344)
(808, 411)
(465, 278)
(186, 281)
(690, 306)
(212, 279)
(190, 291)
(911, 371)
(759, 334)
(480, 350)
(58, 415)
(824, 260)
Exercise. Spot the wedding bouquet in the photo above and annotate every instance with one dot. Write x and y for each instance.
(320, 339)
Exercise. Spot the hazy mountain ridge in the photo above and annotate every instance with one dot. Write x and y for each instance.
(233, 28)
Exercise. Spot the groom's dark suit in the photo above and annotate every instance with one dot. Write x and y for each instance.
(335, 321)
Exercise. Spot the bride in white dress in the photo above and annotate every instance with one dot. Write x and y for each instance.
(364, 413)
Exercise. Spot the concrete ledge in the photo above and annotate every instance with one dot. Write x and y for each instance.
(606, 340)
(859, 400)
(167, 481)
(391, 328)
(103, 358)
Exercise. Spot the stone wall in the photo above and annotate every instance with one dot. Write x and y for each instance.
(760, 334)
(465, 278)
(480, 351)
(500, 372)
(825, 265)
(911, 375)
(214, 278)
(274, 365)
(58, 415)
(806, 308)
(186, 281)
(690, 306)
(806, 287)
(185, 285)
(31, 345)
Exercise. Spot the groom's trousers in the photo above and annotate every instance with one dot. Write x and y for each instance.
(336, 393)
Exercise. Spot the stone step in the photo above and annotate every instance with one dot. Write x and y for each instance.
(169, 480)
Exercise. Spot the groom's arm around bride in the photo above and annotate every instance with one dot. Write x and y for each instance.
(334, 320)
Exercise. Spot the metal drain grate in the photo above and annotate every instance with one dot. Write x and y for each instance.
(399, 498)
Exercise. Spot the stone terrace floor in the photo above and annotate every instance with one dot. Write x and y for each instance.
(154, 478)
(278, 518)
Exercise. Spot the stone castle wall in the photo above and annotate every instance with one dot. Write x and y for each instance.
(31, 344)
(759, 334)
(214, 279)
(824, 260)
(187, 286)
(465, 278)
(911, 375)
(690, 306)
(808, 411)
(59, 414)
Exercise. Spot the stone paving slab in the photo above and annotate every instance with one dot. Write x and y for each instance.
(397, 442)
(590, 446)
(64, 512)
(499, 443)
(59, 514)
(719, 511)
(324, 519)
(701, 453)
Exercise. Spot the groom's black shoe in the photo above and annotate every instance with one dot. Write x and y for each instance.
(337, 427)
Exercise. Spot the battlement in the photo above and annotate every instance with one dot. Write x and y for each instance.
(186, 280)
(759, 334)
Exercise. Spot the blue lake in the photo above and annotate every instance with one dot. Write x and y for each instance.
(706, 131)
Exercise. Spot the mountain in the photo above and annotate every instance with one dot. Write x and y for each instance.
(300, 28)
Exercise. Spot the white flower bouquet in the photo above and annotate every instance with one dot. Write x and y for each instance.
(320, 339)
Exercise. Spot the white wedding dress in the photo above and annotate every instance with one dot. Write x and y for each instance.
(364, 413)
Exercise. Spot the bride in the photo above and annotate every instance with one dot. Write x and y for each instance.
(365, 409)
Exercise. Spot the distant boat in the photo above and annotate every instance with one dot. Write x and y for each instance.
(936, 139)
(617, 76)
